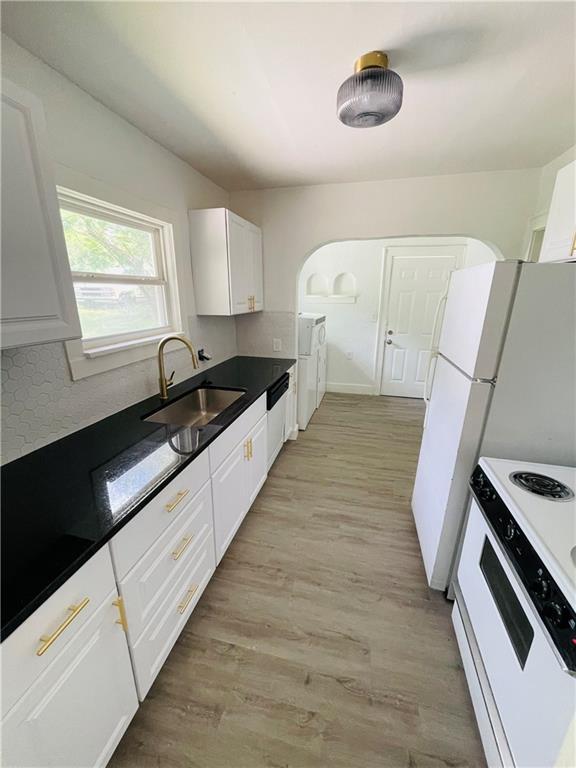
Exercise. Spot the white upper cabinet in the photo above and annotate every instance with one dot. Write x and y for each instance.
(560, 236)
(226, 263)
(38, 303)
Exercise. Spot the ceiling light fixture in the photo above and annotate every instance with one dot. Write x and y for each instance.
(372, 95)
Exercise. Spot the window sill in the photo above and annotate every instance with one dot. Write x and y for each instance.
(110, 349)
(89, 362)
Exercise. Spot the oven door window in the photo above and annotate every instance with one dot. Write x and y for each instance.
(517, 626)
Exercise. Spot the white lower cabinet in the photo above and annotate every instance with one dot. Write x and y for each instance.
(68, 706)
(230, 497)
(149, 652)
(258, 464)
(145, 587)
(74, 714)
(236, 483)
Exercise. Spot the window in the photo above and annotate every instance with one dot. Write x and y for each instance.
(121, 262)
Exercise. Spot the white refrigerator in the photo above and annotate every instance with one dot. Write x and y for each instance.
(503, 384)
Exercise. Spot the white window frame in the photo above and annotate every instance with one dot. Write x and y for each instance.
(85, 355)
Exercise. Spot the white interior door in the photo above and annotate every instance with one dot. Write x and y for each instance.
(417, 281)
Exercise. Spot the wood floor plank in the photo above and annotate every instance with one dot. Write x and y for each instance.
(318, 643)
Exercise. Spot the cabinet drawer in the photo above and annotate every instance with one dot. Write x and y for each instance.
(76, 712)
(137, 537)
(146, 585)
(225, 444)
(156, 641)
(21, 664)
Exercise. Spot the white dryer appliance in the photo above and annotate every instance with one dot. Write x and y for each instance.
(311, 364)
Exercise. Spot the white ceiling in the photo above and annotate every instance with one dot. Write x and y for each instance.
(245, 92)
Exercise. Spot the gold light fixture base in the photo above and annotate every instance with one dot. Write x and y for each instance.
(373, 59)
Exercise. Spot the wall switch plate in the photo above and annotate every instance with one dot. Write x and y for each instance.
(277, 345)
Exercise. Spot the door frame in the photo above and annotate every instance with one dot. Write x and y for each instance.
(386, 284)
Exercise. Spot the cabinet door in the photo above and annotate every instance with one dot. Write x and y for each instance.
(239, 264)
(157, 640)
(256, 277)
(230, 496)
(560, 234)
(76, 712)
(38, 303)
(258, 462)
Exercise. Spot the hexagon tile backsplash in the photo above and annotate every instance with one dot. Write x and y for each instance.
(41, 403)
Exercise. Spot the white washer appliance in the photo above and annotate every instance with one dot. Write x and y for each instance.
(311, 365)
(515, 611)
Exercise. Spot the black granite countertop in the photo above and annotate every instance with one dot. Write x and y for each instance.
(61, 503)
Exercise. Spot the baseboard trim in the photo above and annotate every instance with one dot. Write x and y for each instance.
(351, 389)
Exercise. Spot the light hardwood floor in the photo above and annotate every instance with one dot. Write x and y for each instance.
(317, 643)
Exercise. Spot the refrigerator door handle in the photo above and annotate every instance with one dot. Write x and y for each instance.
(437, 326)
(429, 380)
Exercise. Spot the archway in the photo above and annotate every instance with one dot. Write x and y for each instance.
(349, 282)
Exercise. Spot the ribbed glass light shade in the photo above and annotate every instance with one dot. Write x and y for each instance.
(370, 97)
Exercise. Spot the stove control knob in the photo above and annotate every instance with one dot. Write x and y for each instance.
(509, 531)
(541, 588)
(485, 494)
(555, 614)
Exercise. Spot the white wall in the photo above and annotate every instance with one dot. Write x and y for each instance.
(493, 206)
(477, 253)
(99, 153)
(351, 328)
(548, 177)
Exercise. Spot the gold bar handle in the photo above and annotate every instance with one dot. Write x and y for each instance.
(250, 449)
(123, 621)
(48, 640)
(176, 500)
(247, 449)
(181, 549)
(186, 602)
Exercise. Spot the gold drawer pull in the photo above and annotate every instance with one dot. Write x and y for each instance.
(176, 500)
(185, 542)
(123, 621)
(246, 450)
(250, 450)
(47, 641)
(186, 602)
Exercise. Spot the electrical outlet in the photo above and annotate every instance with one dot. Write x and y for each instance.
(277, 345)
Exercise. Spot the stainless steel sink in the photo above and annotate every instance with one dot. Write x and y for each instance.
(197, 408)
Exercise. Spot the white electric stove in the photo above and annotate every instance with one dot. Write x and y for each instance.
(541, 497)
(515, 616)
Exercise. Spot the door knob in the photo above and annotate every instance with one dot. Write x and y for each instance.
(390, 333)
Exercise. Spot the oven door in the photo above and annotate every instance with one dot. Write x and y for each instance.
(533, 695)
